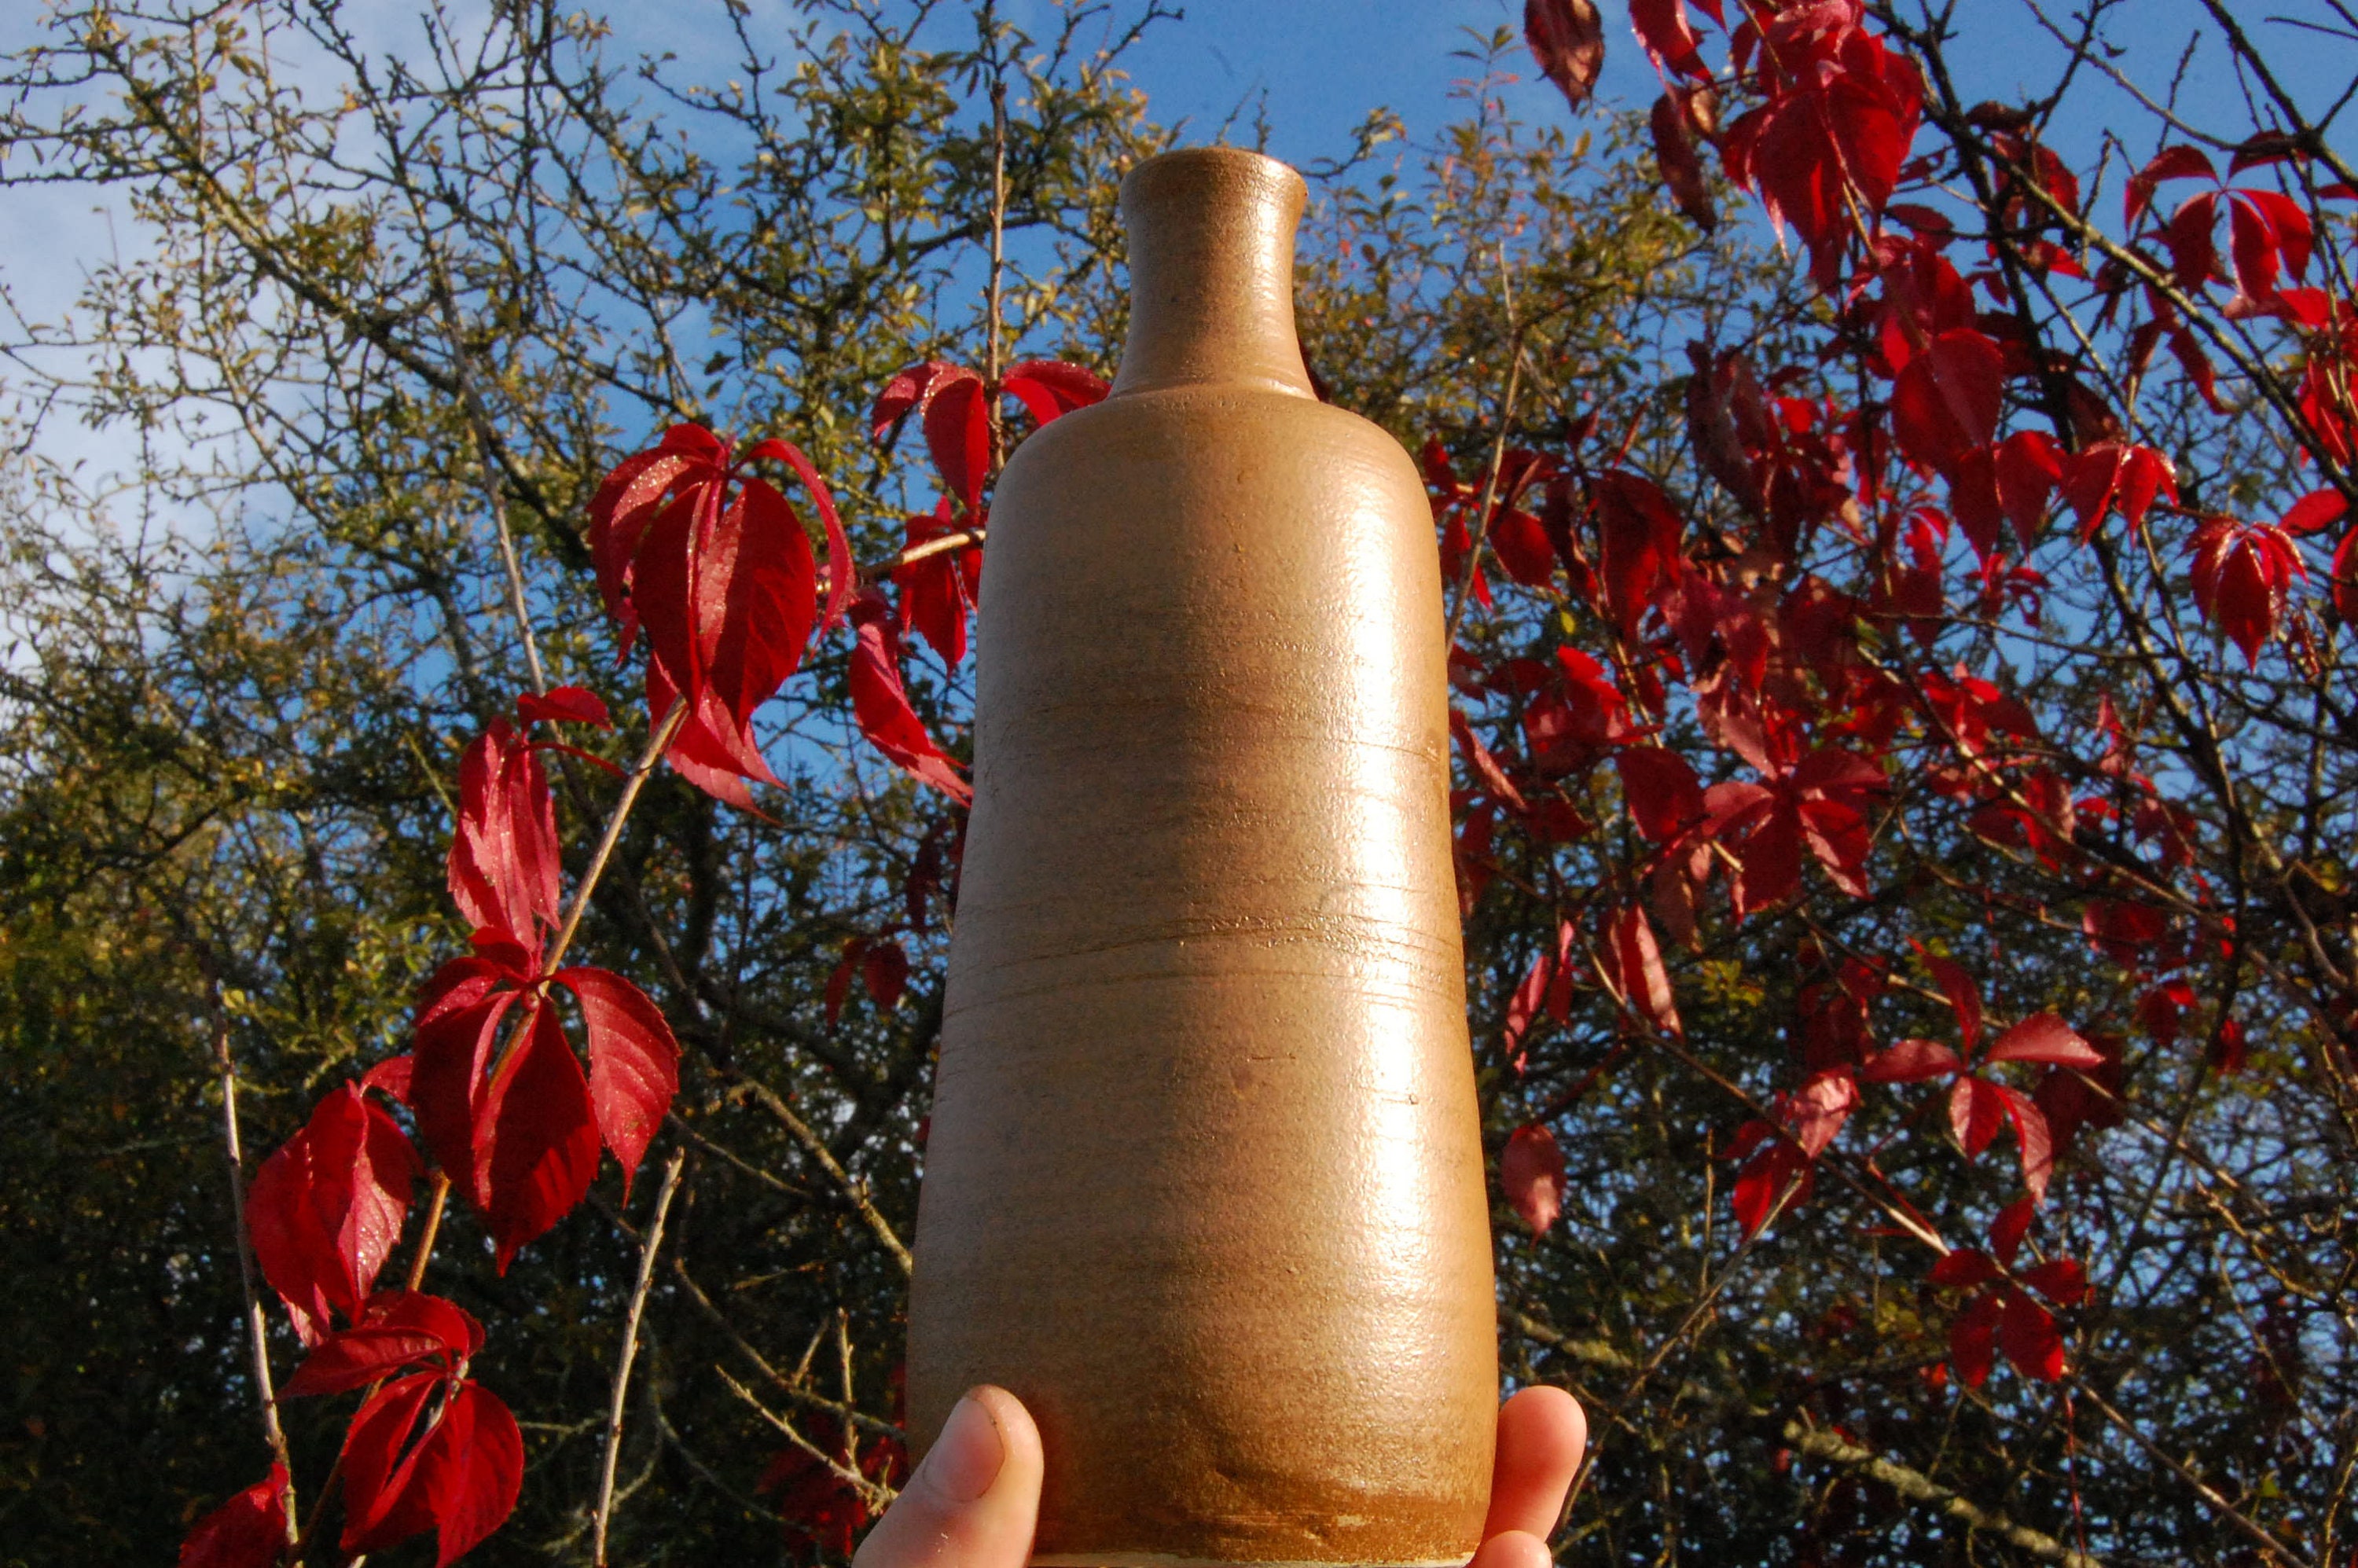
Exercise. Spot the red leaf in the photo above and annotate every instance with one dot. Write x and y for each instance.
(627, 504)
(1567, 39)
(2012, 1224)
(2027, 1334)
(2289, 227)
(451, 1046)
(1911, 1062)
(884, 970)
(461, 1479)
(326, 1210)
(378, 1509)
(2123, 932)
(1962, 1269)
(247, 1531)
(2345, 578)
(721, 577)
(503, 865)
(398, 1329)
(938, 593)
(1661, 791)
(1763, 829)
(570, 703)
(1531, 1172)
(1050, 387)
(1661, 26)
(2063, 1281)
(1976, 1111)
(1637, 962)
(1639, 533)
(1546, 980)
(1483, 765)
(1973, 1339)
(1520, 542)
(2161, 1009)
(633, 1063)
(2180, 162)
(1765, 1178)
(2031, 1135)
(2229, 1047)
(1965, 996)
(2192, 243)
(2252, 240)
(535, 1138)
(2028, 467)
(1815, 1112)
(881, 703)
(2240, 573)
(1945, 404)
(2314, 512)
(471, 1469)
(2043, 1037)
(950, 403)
(1674, 154)
(391, 1077)
(756, 596)
(2112, 477)
(840, 571)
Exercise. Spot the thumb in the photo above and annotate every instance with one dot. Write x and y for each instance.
(973, 1502)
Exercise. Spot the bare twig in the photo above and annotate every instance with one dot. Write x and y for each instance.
(257, 1323)
(2260, 1536)
(650, 1242)
(854, 1193)
(791, 1387)
(1917, 1487)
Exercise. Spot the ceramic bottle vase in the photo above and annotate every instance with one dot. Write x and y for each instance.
(1204, 1185)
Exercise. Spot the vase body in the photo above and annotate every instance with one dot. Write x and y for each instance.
(1204, 1184)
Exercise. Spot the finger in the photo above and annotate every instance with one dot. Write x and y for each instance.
(974, 1501)
(1541, 1435)
(1513, 1548)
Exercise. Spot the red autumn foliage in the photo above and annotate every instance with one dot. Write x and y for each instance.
(247, 1531)
(1532, 1173)
(430, 1450)
(326, 1209)
(818, 1500)
(1799, 668)
(711, 563)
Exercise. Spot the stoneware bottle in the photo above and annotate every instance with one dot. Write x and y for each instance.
(1204, 1185)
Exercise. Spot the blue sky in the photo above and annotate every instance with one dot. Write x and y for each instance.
(1315, 68)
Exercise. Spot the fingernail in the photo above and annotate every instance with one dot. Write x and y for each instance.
(967, 1457)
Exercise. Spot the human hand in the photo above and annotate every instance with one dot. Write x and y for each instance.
(974, 1501)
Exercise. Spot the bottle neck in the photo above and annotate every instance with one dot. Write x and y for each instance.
(1211, 272)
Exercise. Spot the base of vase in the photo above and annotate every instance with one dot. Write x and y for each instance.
(1156, 1559)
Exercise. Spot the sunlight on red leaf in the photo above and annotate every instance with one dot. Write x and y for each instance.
(2043, 1037)
(398, 1330)
(880, 703)
(2240, 573)
(633, 1063)
(536, 1137)
(1567, 39)
(327, 1208)
(1636, 970)
(1532, 1173)
(247, 1531)
(459, 1478)
(1049, 388)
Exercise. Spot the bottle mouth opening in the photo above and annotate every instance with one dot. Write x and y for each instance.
(1200, 173)
(1211, 272)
